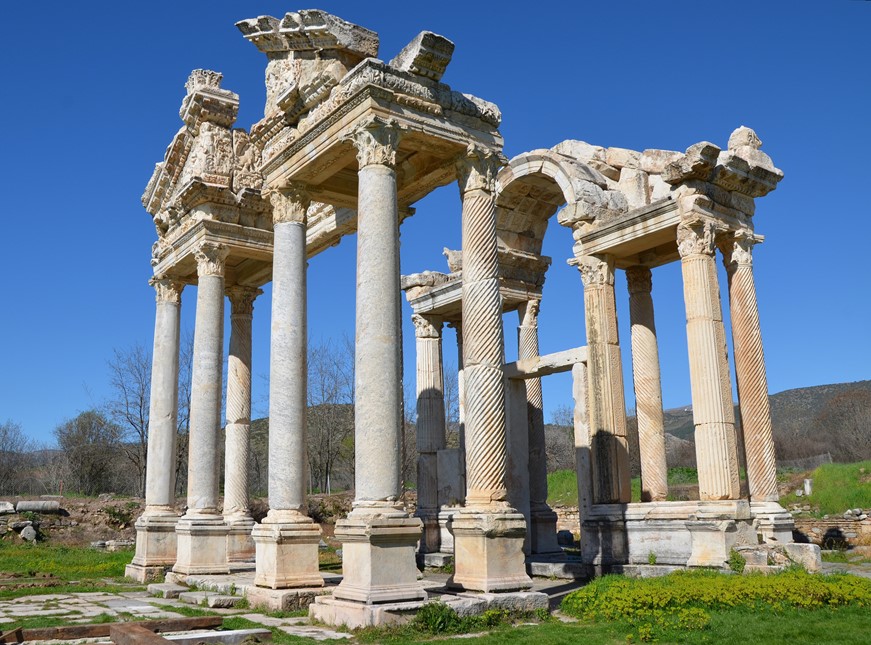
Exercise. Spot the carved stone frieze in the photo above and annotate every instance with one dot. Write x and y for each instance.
(427, 326)
(246, 173)
(211, 258)
(168, 290)
(290, 204)
(376, 141)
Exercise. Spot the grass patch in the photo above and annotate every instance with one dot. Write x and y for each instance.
(562, 488)
(279, 637)
(66, 563)
(837, 487)
(40, 622)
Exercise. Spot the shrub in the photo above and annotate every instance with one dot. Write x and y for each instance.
(438, 618)
(737, 562)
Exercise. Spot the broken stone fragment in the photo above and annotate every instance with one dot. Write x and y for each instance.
(580, 151)
(655, 161)
(622, 158)
(309, 30)
(427, 55)
(697, 163)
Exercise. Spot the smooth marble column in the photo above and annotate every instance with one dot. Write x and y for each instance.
(155, 528)
(542, 531)
(430, 425)
(378, 537)
(488, 532)
(713, 415)
(237, 439)
(607, 408)
(202, 534)
(287, 539)
(750, 370)
(648, 387)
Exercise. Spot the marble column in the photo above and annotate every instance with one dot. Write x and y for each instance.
(202, 534)
(542, 532)
(750, 370)
(430, 425)
(155, 528)
(378, 537)
(713, 415)
(287, 539)
(237, 433)
(488, 532)
(607, 408)
(648, 388)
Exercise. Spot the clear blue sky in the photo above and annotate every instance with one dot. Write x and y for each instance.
(91, 92)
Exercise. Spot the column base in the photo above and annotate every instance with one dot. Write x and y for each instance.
(774, 524)
(202, 545)
(488, 550)
(378, 556)
(287, 553)
(240, 544)
(430, 539)
(156, 547)
(542, 532)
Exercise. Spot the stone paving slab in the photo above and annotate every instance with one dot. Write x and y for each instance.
(313, 632)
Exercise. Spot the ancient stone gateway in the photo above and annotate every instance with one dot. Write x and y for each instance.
(347, 144)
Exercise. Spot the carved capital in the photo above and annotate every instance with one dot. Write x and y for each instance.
(528, 312)
(477, 169)
(210, 259)
(595, 272)
(427, 326)
(290, 204)
(377, 141)
(242, 299)
(696, 238)
(737, 249)
(168, 290)
(639, 279)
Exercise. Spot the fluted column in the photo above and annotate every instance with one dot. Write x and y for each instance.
(607, 407)
(287, 539)
(155, 528)
(237, 433)
(202, 534)
(713, 415)
(750, 370)
(430, 425)
(488, 533)
(378, 538)
(542, 533)
(648, 387)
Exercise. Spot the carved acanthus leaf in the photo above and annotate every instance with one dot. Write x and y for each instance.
(242, 299)
(211, 258)
(168, 290)
(529, 312)
(477, 169)
(595, 272)
(377, 141)
(639, 279)
(427, 326)
(290, 204)
(696, 238)
(737, 249)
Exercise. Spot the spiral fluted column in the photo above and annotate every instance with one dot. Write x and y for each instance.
(155, 528)
(607, 408)
(202, 534)
(750, 370)
(713, 415)
(237, 434)
(648, 387)
(488, 533)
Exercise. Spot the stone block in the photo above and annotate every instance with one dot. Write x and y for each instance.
(240, 544)
(622, 158)
(166, 589)
(28, 534)
(658, 188)
(284, 599)
(38, 506)
(450, 476)
(6, 508)
(427, 55)
(807, 555)
(228, 637)
(519, 601)
(633, 184)
(355, 615)
(488, 551)
(202, 546)
(287, 555)
(655, 161)
(209, 599)
(580, 151)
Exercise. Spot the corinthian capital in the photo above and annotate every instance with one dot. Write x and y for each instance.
(477, 169)
(376, 140)
(595, 272)
(738, 249)
(242, 299)
(427, 326)
(696, 238)
(528, 312)
(168, 290)
(639, 279)
(210, 259)
(290, 204)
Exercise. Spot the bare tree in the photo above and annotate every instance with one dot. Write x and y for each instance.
(452, 406)
(130, 378)
(14, 453)
(185, 370)
(90, 443)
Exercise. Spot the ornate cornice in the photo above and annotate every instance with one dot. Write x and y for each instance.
(168, 290)
(377, 141)
(639, 279)
(211, 258)
(242, 299)
(477, 169)
(427, 326)
(696, 238)
(290, 204)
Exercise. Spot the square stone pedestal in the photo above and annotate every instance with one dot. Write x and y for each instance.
(542, 532)
(155, 547)
(284, 599)
(431, 538)
(488, 550)
(716, 529)
(774, 524)
(240, 544)
(355, 615)
(287, 554)
(446, 518)
(202, 545)
(378, 557)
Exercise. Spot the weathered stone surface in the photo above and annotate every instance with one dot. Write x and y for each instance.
(581, 151)
(166, 589)
(654, 161)
(6, 508)
(37, 506)
(28, 533)
(427, 55)
(622, 158)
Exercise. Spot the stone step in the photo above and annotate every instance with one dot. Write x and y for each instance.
(166, 589)
(209, 599)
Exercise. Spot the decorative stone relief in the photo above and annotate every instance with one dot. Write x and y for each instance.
(211, 258)
(477, 169)
(427, 326)
(247, 162)
(737, 249)
(595, 272)
(242, 299)
(697, 238)
(290, 204)
(376, 141)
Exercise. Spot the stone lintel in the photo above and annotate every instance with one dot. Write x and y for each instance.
(539, 366)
